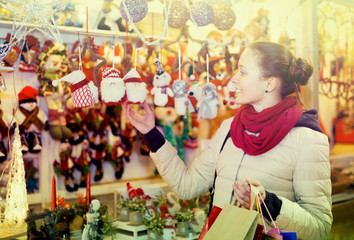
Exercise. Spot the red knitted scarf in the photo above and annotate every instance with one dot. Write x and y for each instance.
(258, 132)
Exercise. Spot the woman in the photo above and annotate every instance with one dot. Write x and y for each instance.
(273, 145)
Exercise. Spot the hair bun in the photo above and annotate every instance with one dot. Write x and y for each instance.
(302, 72)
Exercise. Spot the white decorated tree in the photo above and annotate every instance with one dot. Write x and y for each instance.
(16, 198)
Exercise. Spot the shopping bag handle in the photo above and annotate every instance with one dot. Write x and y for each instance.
(259, 199)
(253, 192)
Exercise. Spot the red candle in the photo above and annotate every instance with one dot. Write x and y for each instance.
(54, 194)
(88, 189)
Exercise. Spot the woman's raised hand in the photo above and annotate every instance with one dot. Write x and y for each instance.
(143, 123)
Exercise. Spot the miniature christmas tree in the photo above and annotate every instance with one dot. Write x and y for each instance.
(16, 198)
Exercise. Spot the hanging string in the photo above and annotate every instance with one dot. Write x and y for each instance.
(207, 66)
(136, 56)
(80, 63)
(126, 30)
(114, 50)
(165, 27)
(86, 20)
(193, 66)
(179, 61)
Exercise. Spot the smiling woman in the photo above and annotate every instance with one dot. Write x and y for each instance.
(270, 143)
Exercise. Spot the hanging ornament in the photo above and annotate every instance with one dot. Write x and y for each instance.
(224, 17)
(137, 9)
(179, 14)
(202, 13)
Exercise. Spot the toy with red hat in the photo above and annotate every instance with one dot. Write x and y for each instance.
(136, 91)
(29, 55)
(84, 93)
(150, 209)
(169, 230)
(161, 89)
(230, 98)
(31, 120)
(112, 87)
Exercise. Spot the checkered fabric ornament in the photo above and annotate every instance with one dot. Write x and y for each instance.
(83, 92)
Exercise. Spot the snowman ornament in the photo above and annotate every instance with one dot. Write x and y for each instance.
(209, 105)
(182, 103)
(31, 120)
(161, 90)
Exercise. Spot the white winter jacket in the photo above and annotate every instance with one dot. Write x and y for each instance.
(297, 170)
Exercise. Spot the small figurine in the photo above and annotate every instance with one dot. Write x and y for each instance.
(173, 203)
(198, 221)
(136, 91)
(182, 103)
(112, 87)
(150, 210)
(90, 231)
(169, 230)
(231, 96)
(208, 108)
(161, 89)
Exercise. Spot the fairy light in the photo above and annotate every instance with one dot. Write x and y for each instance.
(16, 198)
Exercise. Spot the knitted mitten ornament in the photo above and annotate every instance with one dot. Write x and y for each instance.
(135, 88)
(84, 93)
(161, 89)
(112, 87)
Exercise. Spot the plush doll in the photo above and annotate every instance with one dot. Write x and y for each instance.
(136, 91)
(150, 211)
(169, 229)
(13, 53)
(161, 89)
(230, 97)
(116, 154)
(198, 221)
(31, 120)
(5, 121)
(112, 87)
(182, 103)
(195, 91)
(91, 230)
(65, 166)
(208, 108)
(75, 118)
(97, 124)
(29, 55)
(173, 203)
(53, 64)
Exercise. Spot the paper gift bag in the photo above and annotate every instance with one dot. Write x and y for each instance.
(235, 223)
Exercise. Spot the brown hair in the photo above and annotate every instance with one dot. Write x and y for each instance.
(277, 61)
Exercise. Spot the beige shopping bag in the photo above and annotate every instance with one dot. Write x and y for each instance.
(234, 223)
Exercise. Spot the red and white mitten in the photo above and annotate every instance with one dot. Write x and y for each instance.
(84, 93)
(136, 91)
(112, 87)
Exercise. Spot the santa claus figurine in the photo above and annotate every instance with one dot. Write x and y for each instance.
(31, 120)
(112, 87)
(136, 91)
(84, 93)
(161, 89)
(231, 96)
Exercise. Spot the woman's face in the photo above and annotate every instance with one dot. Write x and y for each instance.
(250, 86)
